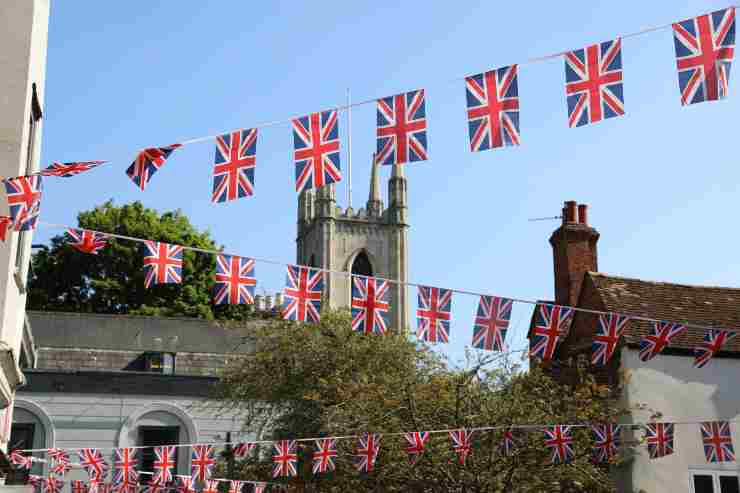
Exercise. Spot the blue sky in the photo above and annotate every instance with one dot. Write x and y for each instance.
(659, 181)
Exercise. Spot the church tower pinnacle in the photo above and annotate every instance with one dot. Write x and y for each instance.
(374, 203)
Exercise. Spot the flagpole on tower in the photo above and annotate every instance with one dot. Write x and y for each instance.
(349, 149)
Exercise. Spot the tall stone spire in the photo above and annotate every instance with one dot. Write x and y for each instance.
(374, 204)
(397, 195)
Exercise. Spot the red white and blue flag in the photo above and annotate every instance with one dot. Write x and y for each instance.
(370, 305)
(416, 443)
(53, 485)
(714, 339)
(162, 263)
(184, 484)
(551, 326)
(659, 437)
(316, 150)
(593, 83)
(491, 323)
(125, 475)
(86, 241)
(93, 462)
(508, 443)
(717, 440)
(60, 461)
(164, 463)
(202, 462)
(235, 486)
(65, 170)
(324, 455)
(260, 487)
(663, 333)
(368, 448)
(241, 450)
(493, 108)
(433, 314)
(610, 329)
(402, 128)
(560, 442)
(607, 440)
(211, 486)
(148, 162)
(235, 162)
(78, 486)
(20, 460)
(284, 459)
(302, 294)
(6, 224)
(24, 201)
(235, 281)
(462, 444)
(705, 46)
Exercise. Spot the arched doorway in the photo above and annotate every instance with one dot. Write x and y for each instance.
(361, 265)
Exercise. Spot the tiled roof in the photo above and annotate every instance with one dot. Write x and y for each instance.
(716, 307)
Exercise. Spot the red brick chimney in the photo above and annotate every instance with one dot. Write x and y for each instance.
(573, 252)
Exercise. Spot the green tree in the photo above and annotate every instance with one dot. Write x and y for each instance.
(326, 380)
(63, 279)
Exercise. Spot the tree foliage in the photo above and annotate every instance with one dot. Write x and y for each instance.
(326, 380)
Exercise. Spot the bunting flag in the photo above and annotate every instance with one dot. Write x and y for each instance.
(153, 487)
(324, 455)
(24, 201)
(368, 448)
(607, 440)
(713, 342)
(162, 263)
(125, 475)
(260, 487)
(184, 484)
(20, 460)
(417, 441)
(593, 83)
(65, 170)
(659, 437)
(608, 332)
(202, 463)
(97, 486)
(560, 442)
(302, 294)
(551, 326)
(86, 241)
(53, 485)
(402, 128)
(705, 46)
(284, 459)
(211, 486)
(35, 480)
(508, 443)
(234, 486)
(717, 440)
(235, 281)
(6, 224)
(236, 160)
(663, 333)
(462, 443)
(316, 150)
(370, 305)
(491, 323)
(148, 162)
(59, 461)
(433, 315)
(493, 108)
(93, 462)
(164, 463)
(241, 450)
(78, 486)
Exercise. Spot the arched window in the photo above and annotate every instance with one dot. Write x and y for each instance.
(361, 265)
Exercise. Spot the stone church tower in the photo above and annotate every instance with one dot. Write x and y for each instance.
(372, 241)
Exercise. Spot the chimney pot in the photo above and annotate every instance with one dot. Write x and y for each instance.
(570, 211)
(583, 214)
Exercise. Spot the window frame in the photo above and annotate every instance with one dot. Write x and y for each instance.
(715, 474)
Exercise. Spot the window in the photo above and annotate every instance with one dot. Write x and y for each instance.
(150, 436)
(21, 437)
(715, 482)
(361, 265)
(159, 362)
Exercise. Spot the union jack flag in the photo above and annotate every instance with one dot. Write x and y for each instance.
(713, 341)
(60, 461)
(316, 150)
(65, 170)
(323, 456)
(93, 462)
(593, 83)
(234, 486)
(98, 485)
(491, 322)
(22, 461)
(162, 263)
(610, 330)
(260, 487)
(235, 280)
(402, 128)
(125, 475)
(164, 462)
(705, 46)
(417, 441)
(302, 294)
(663, 334)
(243, 449)
(508, 443)
(552, 325)
(285, 459)
(202, 463)
(236, 159)
(659, 437)
(607, 440)
(184, 484)
(368, 448)
(86, 241)
(6, 224)
(35, 481)
(211, 486)
(433, 315)
(53, 485)
(462, 443)
(369, 305)
(153, 487)
(559, 440)
(717, 440)
(78, 486)
(148, 162)
(493, 108)
(24, 201)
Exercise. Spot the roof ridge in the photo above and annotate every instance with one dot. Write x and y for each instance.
(659, 283)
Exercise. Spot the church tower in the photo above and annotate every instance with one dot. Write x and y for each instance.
(371, 241)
